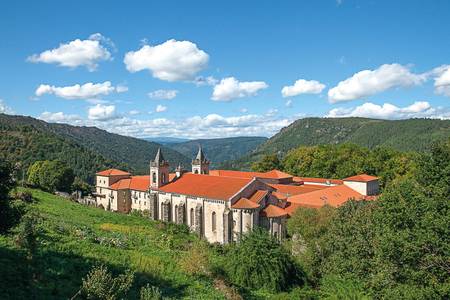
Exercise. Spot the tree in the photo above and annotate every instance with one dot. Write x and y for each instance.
(100, 284)
(27, 234)
(8, 215)
(51, 176)
(259, 261)
(267, 163)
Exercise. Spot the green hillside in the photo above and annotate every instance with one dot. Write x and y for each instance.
(403, 135)
(219, 150)
(85, 149)
(73, 238)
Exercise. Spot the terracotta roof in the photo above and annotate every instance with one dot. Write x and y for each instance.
(333, 196)
(172, 176)
(290, 190)
(244, 203)
(122, 184)
(112, 172)
(258, 196)
(275, 174)
(318, 180)
(199, 185)
(138, 183)
(272, 211)
(361, 178)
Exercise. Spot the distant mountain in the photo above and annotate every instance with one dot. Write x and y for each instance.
(219, 150)
(85, 149)
(166, 140)
(403, 135)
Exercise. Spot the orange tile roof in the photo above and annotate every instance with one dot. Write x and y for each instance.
(213, 187)
(272, 211)
(138, 183)
(112, 172)
(318, 180)
(333, 196)
(244, 203)
(242, 174)
(361, 178)
(122, 184)
(290, 190)
(258, 196)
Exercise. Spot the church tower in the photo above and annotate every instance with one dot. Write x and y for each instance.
(159, 171)
(200, 165)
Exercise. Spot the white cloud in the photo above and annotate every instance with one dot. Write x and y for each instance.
(121, 88)
(134, 112)
(244, 110)
(5, 109)
(288, 103)
(419, 109)
(85, 91)
(303, 86)
(171, 61)
(60, 117)
(209, 126)
(76, 53)
(209, 80)
(160, 108)
(370, 82)
(230, 88)
(163, 94)
(442, 80)
(102, 112)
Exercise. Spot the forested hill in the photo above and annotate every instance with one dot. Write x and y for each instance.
(85, 149)
(403, 135)
(219, 150)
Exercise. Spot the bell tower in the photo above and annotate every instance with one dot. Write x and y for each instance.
(159, 170)
(200, 165)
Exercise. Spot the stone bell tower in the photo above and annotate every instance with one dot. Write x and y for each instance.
(159, 171)
(200, 165)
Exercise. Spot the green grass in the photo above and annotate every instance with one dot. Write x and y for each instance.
(73, 238)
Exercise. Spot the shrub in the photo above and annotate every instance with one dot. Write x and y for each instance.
(259, 261)
(101, 284)
(27, 234)
(149, 292)
(196, 260)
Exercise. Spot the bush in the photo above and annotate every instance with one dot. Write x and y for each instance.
(196, 260)
(25, 196)
(259, 261)
(27, 234)
(149, 292)
(102, 285)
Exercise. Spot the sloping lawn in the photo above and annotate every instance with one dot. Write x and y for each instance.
(73, 238)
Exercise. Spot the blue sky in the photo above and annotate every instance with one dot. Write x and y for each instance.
(224, 65)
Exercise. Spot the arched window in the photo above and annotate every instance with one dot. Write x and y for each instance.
(196, 171)
(213, 221)
(192, 217)
(154, 177)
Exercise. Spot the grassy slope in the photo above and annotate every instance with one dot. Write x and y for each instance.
(67, 251)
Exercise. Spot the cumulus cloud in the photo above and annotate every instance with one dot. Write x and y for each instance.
(370, 82)
(87, 53)
(419, 109)
(303, 86)
(85, 91)
(442, 80)
(60, 117)
(170, 61)
(230, 88)
(5, 109)
(101, 112)
(208, 126)
(160, 108)
(163, 94)
(209, 80)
